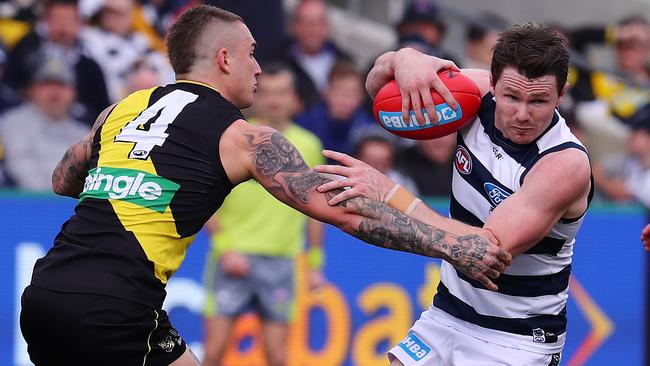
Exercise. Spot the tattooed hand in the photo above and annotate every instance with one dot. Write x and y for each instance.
(477, 258)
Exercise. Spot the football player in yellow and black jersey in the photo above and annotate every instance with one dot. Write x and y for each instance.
(154, 168)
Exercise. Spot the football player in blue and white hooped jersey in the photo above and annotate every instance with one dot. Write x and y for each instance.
(519, 174)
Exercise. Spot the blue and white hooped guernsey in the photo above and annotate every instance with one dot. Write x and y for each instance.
(529, 310)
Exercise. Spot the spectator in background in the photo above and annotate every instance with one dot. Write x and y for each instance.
(8, 97)
(36, 134)
(266, 21)
(423, 29)
(378, 151)
(605, 103)
(59, 29)
(143, 75)
(335, 119)
(311, 53)
(256, 239)
(480, 38)
(428, 163)
(117, 47)
(626, 177)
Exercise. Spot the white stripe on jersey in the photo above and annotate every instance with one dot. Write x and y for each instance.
(541, 264)
(471, 200)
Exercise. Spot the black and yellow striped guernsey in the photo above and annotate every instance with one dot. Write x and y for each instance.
(155, 178)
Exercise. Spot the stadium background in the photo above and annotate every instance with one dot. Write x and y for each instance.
(373, 297)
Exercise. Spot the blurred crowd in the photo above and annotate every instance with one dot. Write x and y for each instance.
(63, 61)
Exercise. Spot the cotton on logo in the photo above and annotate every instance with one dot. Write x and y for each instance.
(463, 160)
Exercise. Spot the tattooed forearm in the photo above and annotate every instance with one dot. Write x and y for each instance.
(275, 153)
(68, 176)
(301, 185)
(282, 169)
(277, 159)
(389, 228)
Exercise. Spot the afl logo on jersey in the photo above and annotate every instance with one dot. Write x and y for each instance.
(463, 160)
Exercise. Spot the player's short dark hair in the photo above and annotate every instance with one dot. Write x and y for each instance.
(534, 50)
(187, 30)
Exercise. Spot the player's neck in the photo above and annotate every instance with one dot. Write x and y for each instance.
(202, 78)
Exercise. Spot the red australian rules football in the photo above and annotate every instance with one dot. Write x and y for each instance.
(387, 108)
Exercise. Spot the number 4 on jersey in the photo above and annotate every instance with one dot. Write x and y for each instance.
(149, 129)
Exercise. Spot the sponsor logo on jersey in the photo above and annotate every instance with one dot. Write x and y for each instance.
(495, 193)
(538, 335)
(393, 120)
(463, 160)
(135, 186)
(414, 347)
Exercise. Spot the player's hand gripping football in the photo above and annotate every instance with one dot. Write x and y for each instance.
(416, 74)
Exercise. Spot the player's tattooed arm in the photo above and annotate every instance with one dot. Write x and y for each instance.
(70, 173)
(281, 169)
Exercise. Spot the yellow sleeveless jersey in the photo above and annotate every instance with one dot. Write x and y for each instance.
(155, 178)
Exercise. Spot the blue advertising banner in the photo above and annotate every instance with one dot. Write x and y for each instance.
(373, 297)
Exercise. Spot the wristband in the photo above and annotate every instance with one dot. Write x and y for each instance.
(402, 200)
(412, 206)
(315, 257)
(391, 193)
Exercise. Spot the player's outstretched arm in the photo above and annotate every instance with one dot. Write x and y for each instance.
(362, 180)
(265, 155)
(70, 173)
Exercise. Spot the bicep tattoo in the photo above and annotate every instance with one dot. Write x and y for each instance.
(277, 160)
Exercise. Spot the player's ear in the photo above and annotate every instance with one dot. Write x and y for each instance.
(492, 86)
(223, 60)
(562, 94)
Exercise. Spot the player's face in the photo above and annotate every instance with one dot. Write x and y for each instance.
(525, 107)
(245, 69)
